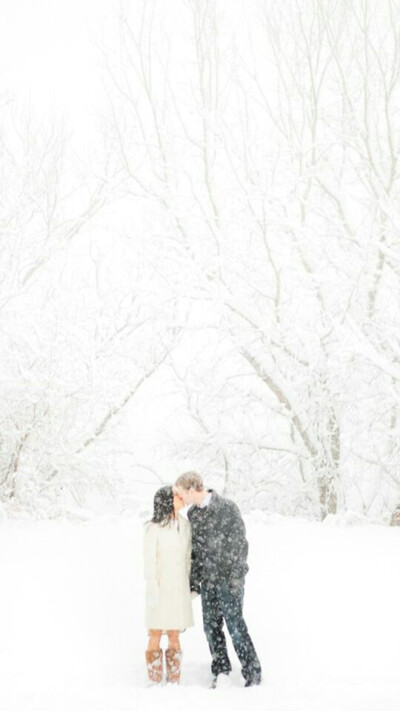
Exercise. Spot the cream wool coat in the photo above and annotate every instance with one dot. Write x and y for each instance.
(167, 554)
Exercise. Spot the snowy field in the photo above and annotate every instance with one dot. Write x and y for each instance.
(322, 605)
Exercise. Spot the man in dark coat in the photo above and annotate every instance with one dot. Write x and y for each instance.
(219, 566)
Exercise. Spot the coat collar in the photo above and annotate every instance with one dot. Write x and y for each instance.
(211, 506)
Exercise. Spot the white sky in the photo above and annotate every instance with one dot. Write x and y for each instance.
(48, 54)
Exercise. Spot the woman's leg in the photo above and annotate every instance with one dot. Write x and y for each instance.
(154, 657)
(173, 657)
(173, 640)
(154, 640)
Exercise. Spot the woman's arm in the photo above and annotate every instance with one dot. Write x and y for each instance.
(150, 554)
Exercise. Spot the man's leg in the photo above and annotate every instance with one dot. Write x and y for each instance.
(231, 604)
(213, 622)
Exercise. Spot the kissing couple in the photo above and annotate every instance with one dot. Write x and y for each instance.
(205, 554)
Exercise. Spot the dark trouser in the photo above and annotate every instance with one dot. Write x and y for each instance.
(219, 603)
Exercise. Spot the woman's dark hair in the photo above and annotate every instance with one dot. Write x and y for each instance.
(163, 506)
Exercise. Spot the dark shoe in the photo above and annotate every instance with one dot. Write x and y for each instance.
(253, 682)
(223, 680)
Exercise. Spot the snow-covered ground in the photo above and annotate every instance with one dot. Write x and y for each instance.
(322, 605)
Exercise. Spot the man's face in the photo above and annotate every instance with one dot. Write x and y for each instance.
(184, 494)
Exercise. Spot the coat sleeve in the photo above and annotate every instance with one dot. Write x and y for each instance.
(195, 575)
(150, 556)
(189, 551)
(238, 544)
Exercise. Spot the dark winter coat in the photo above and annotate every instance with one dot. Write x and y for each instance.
(219, 545)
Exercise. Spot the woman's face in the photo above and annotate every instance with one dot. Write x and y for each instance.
(178, 503)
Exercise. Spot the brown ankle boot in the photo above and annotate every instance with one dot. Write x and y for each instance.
(173, 662)
(154, 663)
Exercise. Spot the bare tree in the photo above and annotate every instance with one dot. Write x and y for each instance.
(84, 326)
(268, 149)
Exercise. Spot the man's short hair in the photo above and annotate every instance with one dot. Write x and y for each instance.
(190, 480)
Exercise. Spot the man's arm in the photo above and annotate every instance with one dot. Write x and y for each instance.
(239, 547)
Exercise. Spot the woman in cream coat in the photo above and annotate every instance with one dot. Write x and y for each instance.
(167, 554)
